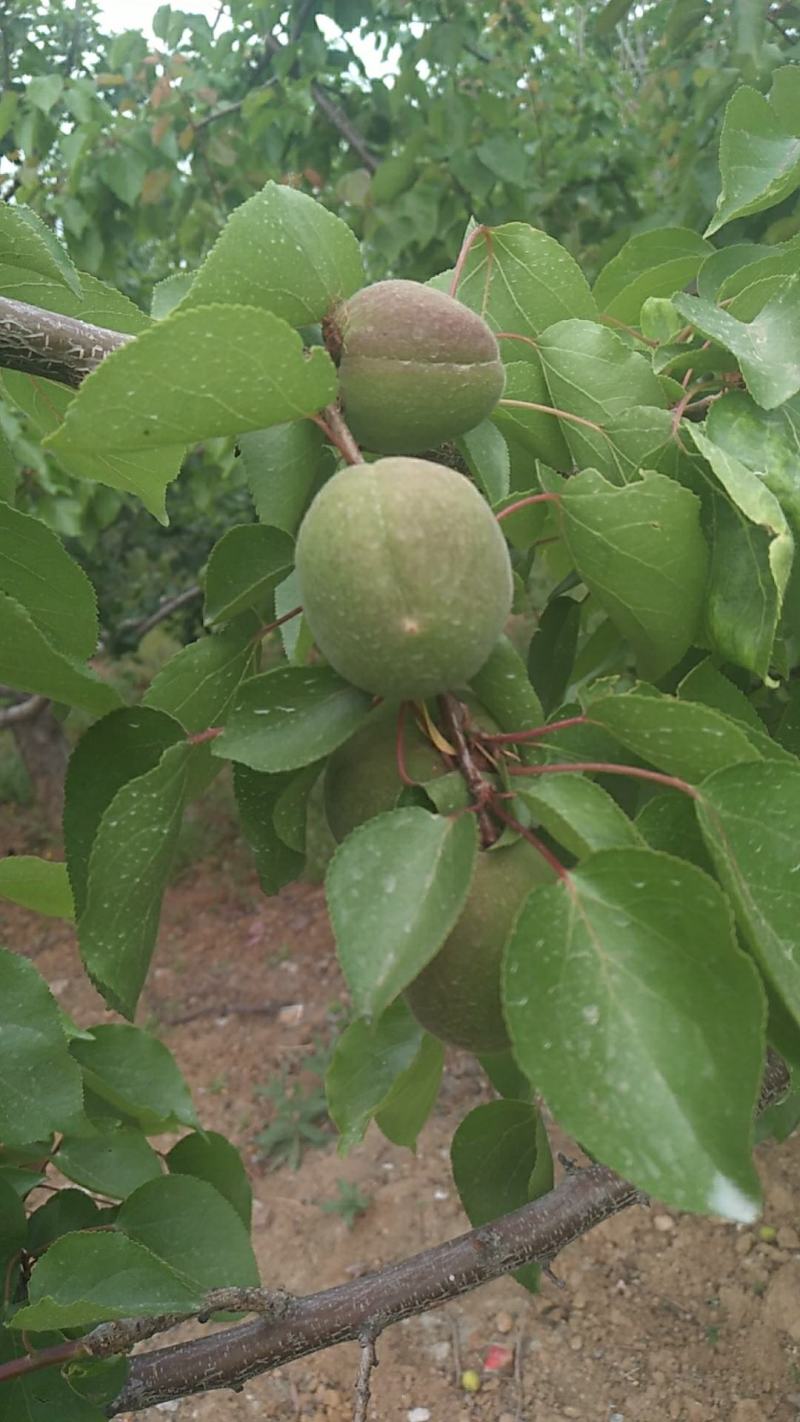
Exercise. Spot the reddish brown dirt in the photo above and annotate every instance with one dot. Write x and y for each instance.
(662, 1318)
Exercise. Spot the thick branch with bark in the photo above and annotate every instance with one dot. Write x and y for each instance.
(47, 344)
(362, 1308)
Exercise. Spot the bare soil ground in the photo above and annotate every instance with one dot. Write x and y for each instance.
(661, 1318)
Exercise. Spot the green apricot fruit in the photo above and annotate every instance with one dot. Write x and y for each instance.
(457, 996)
(361, 777)
(416, 367)
(404, 575)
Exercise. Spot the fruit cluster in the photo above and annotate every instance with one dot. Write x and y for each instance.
(406, 585)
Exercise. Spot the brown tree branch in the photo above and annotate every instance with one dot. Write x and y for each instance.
(350, 1311)
(334, 114)
(364, 1307)
(55, 347)
(23, 711)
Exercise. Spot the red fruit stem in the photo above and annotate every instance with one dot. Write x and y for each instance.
(44, 1358)
(621, 326)
(279, 621)
(334, 427)
(529, 499)
(538, 844)
(466, 248)
(200, 737)
(515, 336)
(552, 410)
(400, 746)
(510, 737)
(608, 768)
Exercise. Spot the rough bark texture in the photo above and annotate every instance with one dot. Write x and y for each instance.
(46, 344)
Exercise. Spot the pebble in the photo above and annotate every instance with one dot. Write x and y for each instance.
(744, 1243)
(506, 1417)
(419, 1414)
(571, 1412)
(663, 1223)
(788, 1238)
(504, 1322)
(576, 1344)
(782, 1300)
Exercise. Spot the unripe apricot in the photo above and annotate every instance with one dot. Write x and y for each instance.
(416, 367)
(457, 996)
(405, 577)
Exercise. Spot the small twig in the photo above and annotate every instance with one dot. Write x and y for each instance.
(163, 611)
(552, 410)
(23, 711)
(333, 425)
(479, 787)
(278, 622)
(601, 767)
(367, 1362)
(56, 347)
(524, 503)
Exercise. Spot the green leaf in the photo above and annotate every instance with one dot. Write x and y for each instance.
(505, 1075)
(765, 347)
(707, 684)
(495, 1154)
(121, 747)
(13, 1229)
(759, 159)
(41, 1396)
(579, 814)
(503, 687)
(640, 550)
(212, 371)
(40, 1085)
(244, 568)
(168, 293)
(750, 641)
(395, 889)
(750, 820)
(521, 280)
(63, 1213)
(209, 1156)
(405, 1110)
(136, 1073)
(289, 717)
(284, 466)
(655, 263)
(283, 252)
(128, 871)
(723, 263)
(369, 1058)
(680, 737)
(551, 655)
(667, 822)
(534, 430)
(642, 1024)
(486, 455)
(113, 1162)
(766, 442)
(27, 242)
(291, 808)
(256, 796)
(38, 884)
(198, 684)
(612, 14)
(89, 1278)
(189, 1226)
(30, 662)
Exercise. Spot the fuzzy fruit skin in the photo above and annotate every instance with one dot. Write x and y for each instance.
(417, 367)
(404, 576)
(361, 777)
(457, 996)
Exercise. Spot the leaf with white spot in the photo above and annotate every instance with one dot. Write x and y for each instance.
(395, 889)
(640, 1020)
